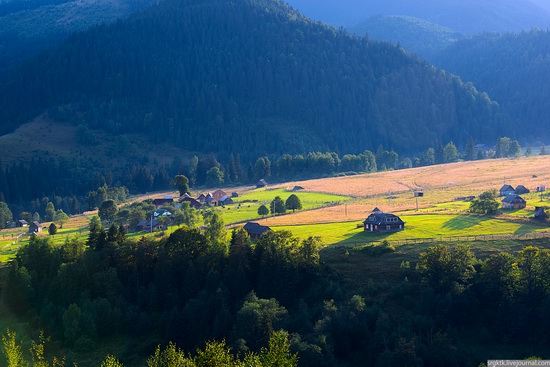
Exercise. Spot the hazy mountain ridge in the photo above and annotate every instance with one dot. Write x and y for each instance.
(27, 27)
(514, 68)
(465, 16)
(414, 34)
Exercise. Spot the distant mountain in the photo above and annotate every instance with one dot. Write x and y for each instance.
(543, 4)
(415, 35)
(29, 26)
(248, 77)
(513, 68)
(464, 16)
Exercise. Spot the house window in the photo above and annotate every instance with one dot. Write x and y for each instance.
(388, 228)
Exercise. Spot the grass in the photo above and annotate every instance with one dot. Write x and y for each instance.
(420, 226)
(246, 205)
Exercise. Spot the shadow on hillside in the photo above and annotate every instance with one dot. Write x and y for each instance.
(363, 237)
(462, 222)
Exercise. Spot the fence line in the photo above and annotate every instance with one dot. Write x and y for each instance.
(487, 237)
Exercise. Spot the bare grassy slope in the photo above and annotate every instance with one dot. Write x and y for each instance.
(440, 183)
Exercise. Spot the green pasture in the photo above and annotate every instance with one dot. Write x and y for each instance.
(417, 227)
(246, 206)
(310, 200)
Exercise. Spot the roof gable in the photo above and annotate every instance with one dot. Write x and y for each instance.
(513, 199)
(254, 228)
(507, 188)
(380, 218)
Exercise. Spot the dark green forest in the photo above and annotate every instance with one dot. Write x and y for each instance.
(247, 77)
(196, 286)
(514, 68)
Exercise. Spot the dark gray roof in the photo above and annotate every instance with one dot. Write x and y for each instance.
(507, 188)
(540, 212)
(254, 228)
(513, 199)
(520, 189)
(380, 218)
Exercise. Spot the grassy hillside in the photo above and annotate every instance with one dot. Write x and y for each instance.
(334, 208)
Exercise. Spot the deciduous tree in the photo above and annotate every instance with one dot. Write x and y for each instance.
(293, 203)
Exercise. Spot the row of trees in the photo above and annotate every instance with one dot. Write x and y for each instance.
(278, 206)
(215, 353)
(207, 170)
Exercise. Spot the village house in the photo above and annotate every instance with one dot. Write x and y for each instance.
(22, 223)
(261, 183)
(507, 190)
(210, 200)
(145, 225)
(513, 202)
(160, 202)
(382, 222)
(255, 230)
(161, 213)
(520, 190)
(540, 213)
(218, 195)
(35, 227)
(541, 188)
(193, 203)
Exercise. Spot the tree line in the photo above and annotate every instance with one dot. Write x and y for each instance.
(76, 188)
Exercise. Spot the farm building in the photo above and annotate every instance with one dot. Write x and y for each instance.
(255, 230)
(513, 202)
(507, 190)
(520, 190)
(541, 188)
(163, 201)
(383, 222)
(219, 194)
(35, 227)
(226, 200)
(202, 198)
(161, 213)
(540, 213)
(261, 183)
(210, 200)
(193, 203)
(297, 188)
(145, 225)
(22, 223)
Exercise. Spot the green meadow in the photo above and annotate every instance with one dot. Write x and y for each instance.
(246, 206)
(420, 226)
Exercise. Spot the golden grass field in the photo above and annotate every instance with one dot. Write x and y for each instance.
(440, 183)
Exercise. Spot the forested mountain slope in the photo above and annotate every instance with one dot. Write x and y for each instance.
(247, 77)
(27, 27)
(513, 68)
